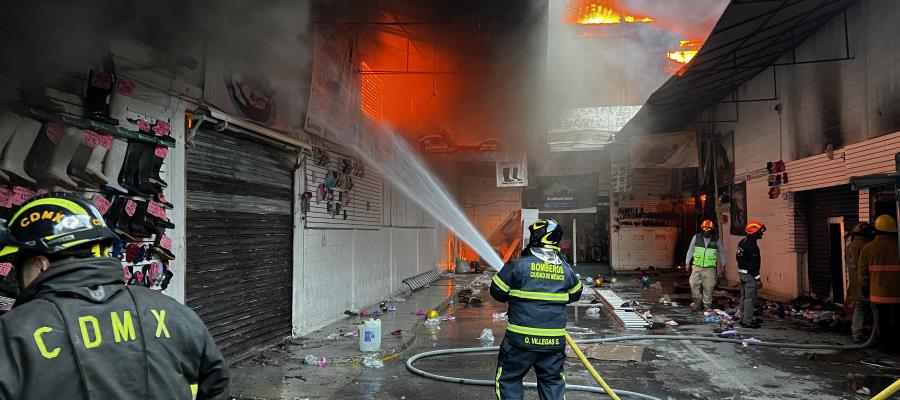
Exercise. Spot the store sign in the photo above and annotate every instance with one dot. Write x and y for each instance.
(512, 173)
(562, 192)
(435, 144)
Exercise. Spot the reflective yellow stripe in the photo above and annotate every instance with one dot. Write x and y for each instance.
(524, 330)
(76, 243)
(576, 288)
(539, 295)
(497, 382)
(9, 250)
(194, 389)
(69, 205)
(500, 284)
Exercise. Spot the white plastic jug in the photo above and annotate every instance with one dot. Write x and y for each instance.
(370, 335)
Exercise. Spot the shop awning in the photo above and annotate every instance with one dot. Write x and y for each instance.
(749, 37)
(869, 181)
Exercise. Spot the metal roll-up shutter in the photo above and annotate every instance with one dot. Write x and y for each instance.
(239, 239)
(822, 204)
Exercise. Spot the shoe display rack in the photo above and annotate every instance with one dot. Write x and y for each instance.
(110, 154)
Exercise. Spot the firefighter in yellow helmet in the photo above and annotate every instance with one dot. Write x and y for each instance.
(537, 287)
(706, 263)
(857, 238)
(77, 332)
(879, 278)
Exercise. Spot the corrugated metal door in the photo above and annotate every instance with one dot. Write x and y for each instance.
(239, 239)
(822, 204)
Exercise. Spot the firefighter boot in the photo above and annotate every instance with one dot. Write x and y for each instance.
(57, 169)
(17, 149)
(8, 123)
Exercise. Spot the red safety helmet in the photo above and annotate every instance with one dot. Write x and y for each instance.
(707, 224)
(754, 227)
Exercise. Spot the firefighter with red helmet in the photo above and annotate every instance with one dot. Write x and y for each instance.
(705, 263)
(749, 260)
(77, 332)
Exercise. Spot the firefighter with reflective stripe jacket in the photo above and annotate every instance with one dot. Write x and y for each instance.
(537, 286)
(77, 332)
(879, 278)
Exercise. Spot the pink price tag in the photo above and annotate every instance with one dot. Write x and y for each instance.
(100, 79)
(5, 269)
(54, 133)
(102, 204)
(91, 139)
(125, 87)
(106, 141)
(165, 242)
(143, 125)
(162, 128)
(162, 151)
(154, 209)
(161, 197)
(130, 208)
(21, 195)
(6, 198)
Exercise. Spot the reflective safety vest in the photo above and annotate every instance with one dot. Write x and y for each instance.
(706, 257)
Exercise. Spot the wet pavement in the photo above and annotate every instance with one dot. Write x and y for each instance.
(668, 370)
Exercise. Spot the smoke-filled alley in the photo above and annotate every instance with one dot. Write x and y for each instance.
(401, 199)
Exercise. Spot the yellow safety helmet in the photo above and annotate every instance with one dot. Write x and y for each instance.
(886, 224)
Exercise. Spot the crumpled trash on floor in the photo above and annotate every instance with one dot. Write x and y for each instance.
(671, 323)
(593, 312)
(647, 315)
(665, 299)
(373, 361)
(392, 308)
(333, 336)
(730, 334)
(398, 332)
(420, 313)
(313, 360)
(354, 333)
(863, 390)
(717, 316)
(746, 342)
(487, 337)
(498, 316)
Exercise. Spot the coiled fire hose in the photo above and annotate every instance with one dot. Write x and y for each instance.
(625, 393)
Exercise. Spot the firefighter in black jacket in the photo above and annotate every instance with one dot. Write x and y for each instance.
(77, 332)
(537, 286)
(749, 259)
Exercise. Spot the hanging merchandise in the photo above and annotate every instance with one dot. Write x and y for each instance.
(331, 180)
(112, 157)
(347, 195)
(777, 177)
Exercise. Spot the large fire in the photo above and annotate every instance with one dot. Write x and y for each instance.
(598, 12)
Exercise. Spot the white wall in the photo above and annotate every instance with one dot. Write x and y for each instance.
(839, 102)
(343, 269)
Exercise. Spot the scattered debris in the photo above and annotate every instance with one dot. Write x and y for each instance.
(333, 336)
(593, 312)
(671, 323)
(352, 334)
(487, 337)
(313, 360)
(373, 361)
(392, 308)
(498, 317)
(863, 390)
(398, 332)
(376, 314)
(656, 285)
(351, 313)
(420, 313)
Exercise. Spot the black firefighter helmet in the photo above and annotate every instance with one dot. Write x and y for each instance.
(545, 233)
(54, 223)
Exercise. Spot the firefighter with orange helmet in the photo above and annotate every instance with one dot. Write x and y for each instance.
(705, 263)
(749, 260)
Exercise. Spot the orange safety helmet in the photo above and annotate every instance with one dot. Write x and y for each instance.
(754, 227)
(707, 224)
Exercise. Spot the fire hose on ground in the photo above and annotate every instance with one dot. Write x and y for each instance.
(625, 393)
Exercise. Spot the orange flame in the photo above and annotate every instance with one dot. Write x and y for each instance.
(597, 12)
(371, 94)
(681, 56)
